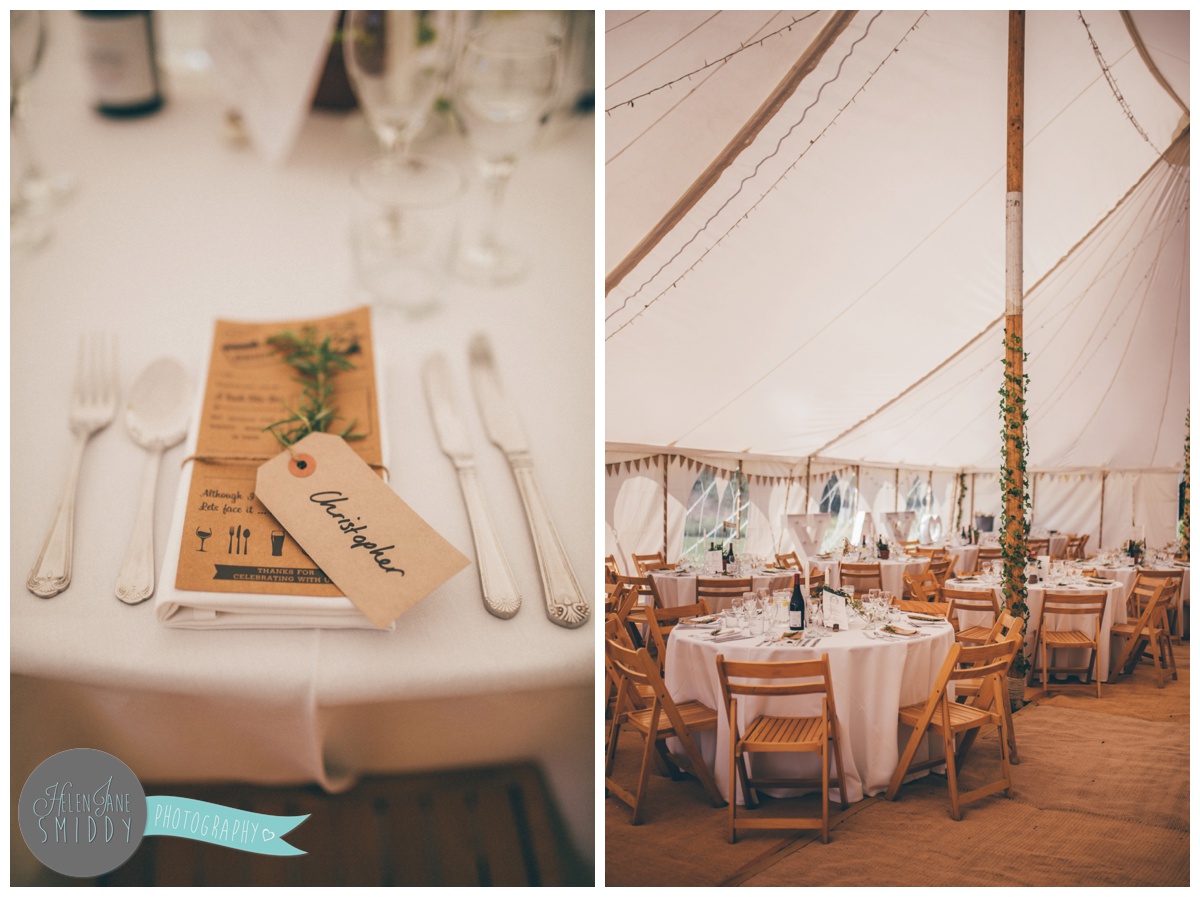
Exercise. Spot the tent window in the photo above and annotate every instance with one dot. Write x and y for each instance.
(713, 514)
(839, 499)
(918, 498)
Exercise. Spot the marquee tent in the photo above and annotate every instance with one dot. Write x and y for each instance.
(805, 256)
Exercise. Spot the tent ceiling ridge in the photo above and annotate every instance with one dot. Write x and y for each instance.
(808, 61)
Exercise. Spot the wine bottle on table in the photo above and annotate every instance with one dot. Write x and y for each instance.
(796, 605)
(119, 48)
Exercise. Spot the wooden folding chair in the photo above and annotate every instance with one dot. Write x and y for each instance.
(932, 608)
(934, 554)
(942, 569)
(941, 714)
(780, 734)
(1039, 547)
(909, 547)
(1174, 608)
(613, 595)
(1074, 547)
(664, 619)
(922, 586)
(791, 560)
(639, 695)
(816, 577)
(1011, 628)
(862, 576)
(987, 554)
(1083, 540)
(720, 591)
(659, 720)
(611, 571)
(1147, 630)
(644, 563)
(642, 594)
(1064, 604)
(970, 600)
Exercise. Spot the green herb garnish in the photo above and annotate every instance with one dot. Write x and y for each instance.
(317, 360)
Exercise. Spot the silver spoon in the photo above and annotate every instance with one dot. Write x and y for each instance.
(156, 415)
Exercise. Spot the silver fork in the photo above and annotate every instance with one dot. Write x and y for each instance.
(93, 404)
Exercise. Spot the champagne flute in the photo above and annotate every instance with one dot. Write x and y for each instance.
(399, 62)
(507, 79)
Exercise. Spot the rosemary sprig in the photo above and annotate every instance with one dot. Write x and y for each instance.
(317, 360)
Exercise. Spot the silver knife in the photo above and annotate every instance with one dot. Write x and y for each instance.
(565, 604)
(501, 595)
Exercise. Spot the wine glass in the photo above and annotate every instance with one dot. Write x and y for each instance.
(203, 534)
(739, 609)
(507, 79)
(399, 62)
(30, 192)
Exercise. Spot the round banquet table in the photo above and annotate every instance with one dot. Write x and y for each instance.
(678, 589)
(966, 557)
(891, 571)
(872, 680)
(1114, 612)
(172, 226)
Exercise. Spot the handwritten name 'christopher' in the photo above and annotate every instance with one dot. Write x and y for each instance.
(330, 501)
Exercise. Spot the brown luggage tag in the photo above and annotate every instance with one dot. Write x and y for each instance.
(374, 547)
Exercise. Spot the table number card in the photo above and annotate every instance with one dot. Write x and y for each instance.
(231, 542)
(270, 62)
(373, 546)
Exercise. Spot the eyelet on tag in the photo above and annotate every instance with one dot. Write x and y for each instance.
(302, 465)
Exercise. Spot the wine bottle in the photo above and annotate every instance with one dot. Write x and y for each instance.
(120, 53)
(796, 605)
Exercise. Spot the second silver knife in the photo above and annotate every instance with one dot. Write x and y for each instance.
(500, 593)
(565, 604)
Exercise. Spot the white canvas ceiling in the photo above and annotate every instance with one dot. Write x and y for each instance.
(839, 290)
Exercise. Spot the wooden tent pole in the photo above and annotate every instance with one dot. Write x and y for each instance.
(1014, 303)
(666, 494)
(1100, 536)
(808, 484)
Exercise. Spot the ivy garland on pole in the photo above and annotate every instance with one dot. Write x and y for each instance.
(1185, 527)
(1014, 546)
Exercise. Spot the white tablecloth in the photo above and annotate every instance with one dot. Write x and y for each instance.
(1114, 612)
(872, 680)
(173, 227)
(678, 589)
(891, 571)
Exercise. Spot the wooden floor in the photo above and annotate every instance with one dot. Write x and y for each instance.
(494, 826)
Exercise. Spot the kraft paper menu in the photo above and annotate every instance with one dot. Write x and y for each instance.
(230, 542)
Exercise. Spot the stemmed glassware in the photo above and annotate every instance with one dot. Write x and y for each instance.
(739, 609)
(405, 215)
(399, 61)
(31, 193)
(506, 80)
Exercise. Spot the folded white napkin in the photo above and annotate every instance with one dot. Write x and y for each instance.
(225, 610)
(731, 636)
